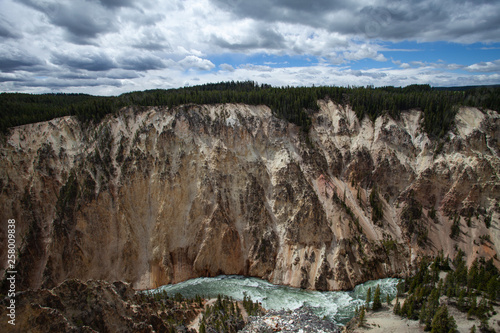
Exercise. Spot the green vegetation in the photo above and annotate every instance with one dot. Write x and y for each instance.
(455, 227)
(66, 200)
(389, 244)
(377, 302)
(411, 220)
(443, 322)
(290, 103)
(376, 203)
(472, 291)
(176, 310)
(348, 210)
(362, 315)
(368, 297)
(432, 214)
(252, 308)
(224, 315)
(487, 220)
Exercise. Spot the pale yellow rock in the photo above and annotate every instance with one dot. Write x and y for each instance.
(163, 195)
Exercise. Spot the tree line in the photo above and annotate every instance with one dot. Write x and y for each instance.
(472, 290)
(295, 104)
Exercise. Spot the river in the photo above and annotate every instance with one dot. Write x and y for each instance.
(338, 306)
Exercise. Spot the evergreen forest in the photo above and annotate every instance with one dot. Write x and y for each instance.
(294, 104)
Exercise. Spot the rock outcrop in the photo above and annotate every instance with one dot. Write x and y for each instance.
(95, 306)
(155, 195)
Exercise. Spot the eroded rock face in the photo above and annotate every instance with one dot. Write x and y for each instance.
(157, 196)
(92, 306)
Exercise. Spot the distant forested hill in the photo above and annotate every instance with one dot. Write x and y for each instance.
(292, 103)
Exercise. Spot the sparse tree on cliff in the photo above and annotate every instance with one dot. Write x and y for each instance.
(377, 303)
(397, 307)
(442, 322)
(362, 315)
(368, 297)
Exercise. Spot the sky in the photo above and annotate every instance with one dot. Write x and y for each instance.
(108, 47)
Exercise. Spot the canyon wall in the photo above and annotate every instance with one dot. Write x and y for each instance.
(153, 196)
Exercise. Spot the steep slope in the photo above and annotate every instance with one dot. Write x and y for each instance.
(156, 195)
(97, 306)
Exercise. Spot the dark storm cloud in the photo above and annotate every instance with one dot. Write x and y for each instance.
(7, 30)
(13, 61)
(116, 3)
(382, 19)
(9, 79)
(151, 45)
(116, 74)
(429, 20)
(122, 74)
(89, 62)
(151, 40)
(263, 38)
(142, 63)
(55, 83)
(100, 62)
(292, 11)
(81, 20)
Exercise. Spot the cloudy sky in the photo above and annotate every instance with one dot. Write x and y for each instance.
(107, 47)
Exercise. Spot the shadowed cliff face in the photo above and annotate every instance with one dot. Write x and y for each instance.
(157, 196)
(96, 306)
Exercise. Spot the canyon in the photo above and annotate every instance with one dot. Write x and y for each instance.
(157, 195)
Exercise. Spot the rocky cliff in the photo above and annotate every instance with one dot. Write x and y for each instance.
(97, 306)
(155, 195)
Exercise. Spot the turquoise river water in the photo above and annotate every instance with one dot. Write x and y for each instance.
(338, 306)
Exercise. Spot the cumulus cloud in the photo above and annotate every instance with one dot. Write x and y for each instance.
(194, 62)
(226, 67)
(364, 52)
(487, 67)
(112, 46)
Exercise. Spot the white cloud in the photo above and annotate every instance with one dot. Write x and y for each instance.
(194, 62)
(363, 52)
(112, 46)
(257, 68)
(226, 67)
(488, 66)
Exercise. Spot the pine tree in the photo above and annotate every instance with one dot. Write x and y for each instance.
(368, 297)
(442, 322)
(362, 315)
(461, 299)
(492, 288)
(424, 314)
(377, 303)
(485, 327)
(397, 307)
